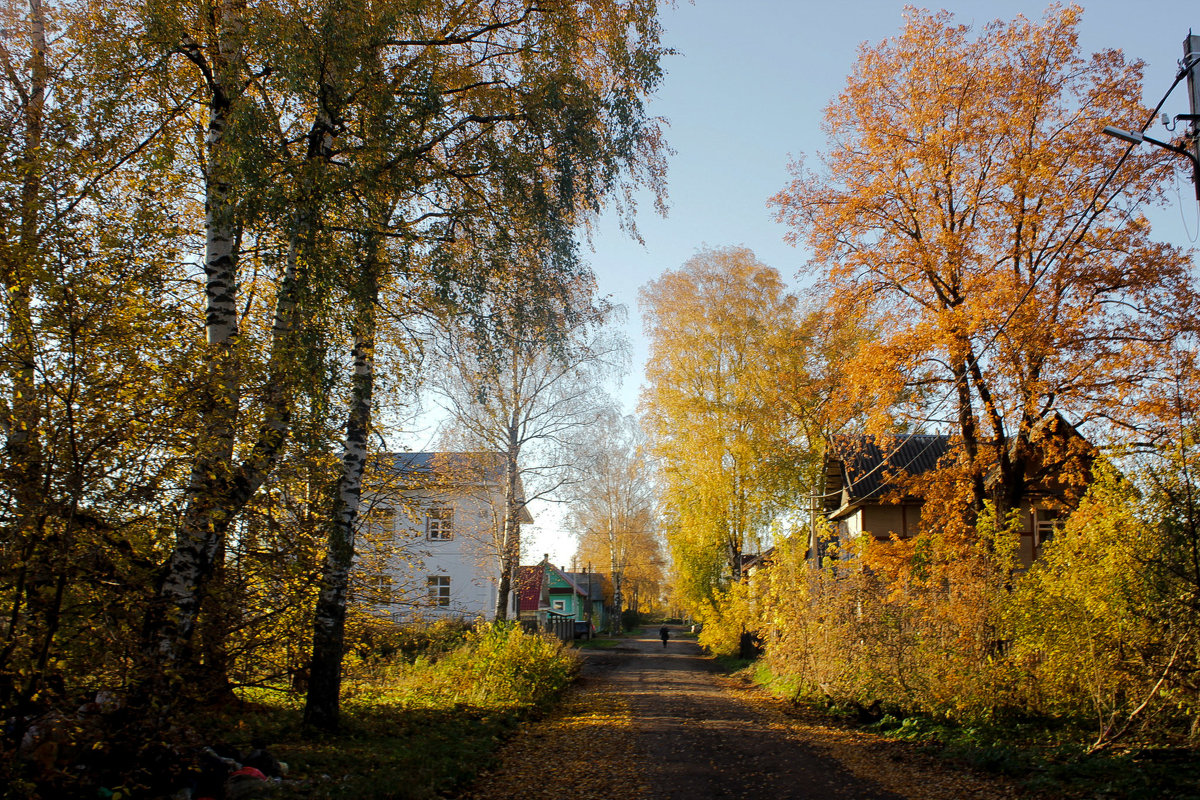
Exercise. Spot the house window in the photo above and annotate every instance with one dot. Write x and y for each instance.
(378, 523)
(377, 587)
(439, 524)
(1046, 522)
(559, 605)
(439, 590)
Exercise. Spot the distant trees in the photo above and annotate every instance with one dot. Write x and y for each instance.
(721, 410)
(529, 392)
(614, 511)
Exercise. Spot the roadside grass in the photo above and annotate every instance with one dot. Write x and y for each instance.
(1047, 757)
(411, 731)
(732, 664)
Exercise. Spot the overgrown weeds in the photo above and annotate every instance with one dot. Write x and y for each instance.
(416, 722)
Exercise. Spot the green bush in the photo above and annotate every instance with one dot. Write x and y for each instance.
(496, 665)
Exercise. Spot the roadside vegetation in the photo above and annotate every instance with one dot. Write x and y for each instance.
(235, 236)
(984, 275)
(1074, 676)
(424, 710)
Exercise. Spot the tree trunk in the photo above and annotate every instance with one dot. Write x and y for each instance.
(618, 623)
(329, 625)
(218, 490)
(212, 669)
(510, 547)
(205, 520)
(22, 422)
(968, 429)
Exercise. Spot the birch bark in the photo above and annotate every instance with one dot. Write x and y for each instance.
(322, 707)
(219, 488)
(206, 518)
(510, 548)
(514, 502)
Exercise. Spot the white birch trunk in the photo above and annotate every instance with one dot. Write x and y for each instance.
(206, 518)
(325, 677)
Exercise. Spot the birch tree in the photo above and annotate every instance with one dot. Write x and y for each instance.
(725, 339)
(527, 392)
(478, 102)
(496, 132)
(613, 509)
(95, 320)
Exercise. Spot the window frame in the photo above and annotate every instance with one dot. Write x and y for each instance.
(438, 587)
(1046, 523)
(379, 522)
(439, 524)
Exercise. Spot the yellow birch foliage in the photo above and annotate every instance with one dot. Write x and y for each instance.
(1086, 623)
(722, 330)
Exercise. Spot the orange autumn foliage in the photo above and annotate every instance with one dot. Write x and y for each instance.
(968, 207)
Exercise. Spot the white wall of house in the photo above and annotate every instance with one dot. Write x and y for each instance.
(460, 547)
(425, 554)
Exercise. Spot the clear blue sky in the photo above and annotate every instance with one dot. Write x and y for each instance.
(747, 91)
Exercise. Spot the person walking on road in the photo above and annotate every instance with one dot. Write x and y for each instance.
(664, 634)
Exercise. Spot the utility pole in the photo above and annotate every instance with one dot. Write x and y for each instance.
(588, 572)
(617, 623)
(1188, 66)
(1191, 57)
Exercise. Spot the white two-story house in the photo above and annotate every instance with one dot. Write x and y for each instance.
(429, 545)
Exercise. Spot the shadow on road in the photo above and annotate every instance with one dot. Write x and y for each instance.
(694, 740)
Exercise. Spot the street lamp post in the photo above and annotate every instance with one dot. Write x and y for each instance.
(1137, 137)
(1187, 68)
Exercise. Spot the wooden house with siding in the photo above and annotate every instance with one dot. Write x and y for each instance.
(871, 486)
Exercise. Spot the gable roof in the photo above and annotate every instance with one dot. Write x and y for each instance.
(566, 578)
(533, 585)
(860, 468)
(456, 467)
(591, 584)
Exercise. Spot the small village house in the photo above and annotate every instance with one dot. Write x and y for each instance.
(430, 538)
(871, 486)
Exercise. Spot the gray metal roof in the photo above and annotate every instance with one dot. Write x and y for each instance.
(590, 582)
(440, 471)
(864, 467)
(478, 467)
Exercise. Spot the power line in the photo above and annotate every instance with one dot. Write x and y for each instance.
(1037, 277)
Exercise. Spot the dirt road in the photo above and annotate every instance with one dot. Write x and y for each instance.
(700, 741)
(655, 722)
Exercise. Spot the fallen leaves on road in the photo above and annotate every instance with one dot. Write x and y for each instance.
(586, 744)
(898, 767)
